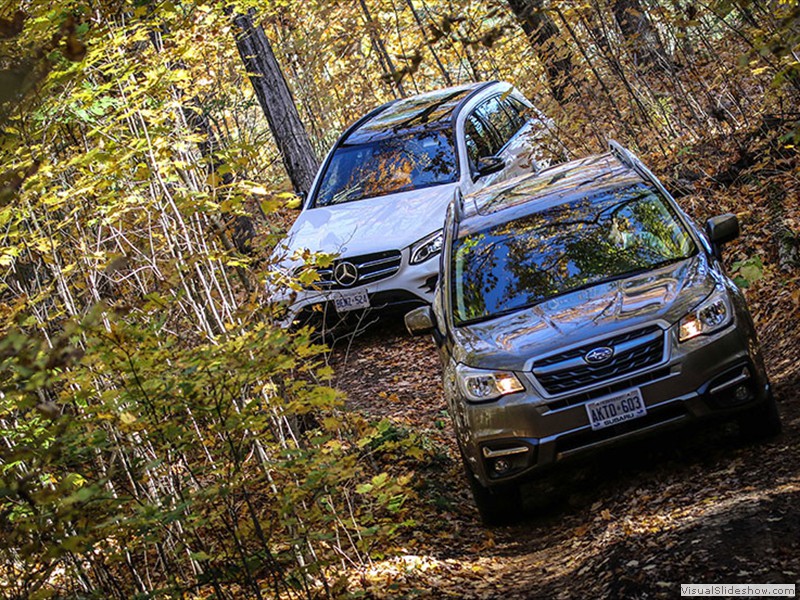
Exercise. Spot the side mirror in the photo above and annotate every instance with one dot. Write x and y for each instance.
(722, 229)
(420, 321)
(488, 165)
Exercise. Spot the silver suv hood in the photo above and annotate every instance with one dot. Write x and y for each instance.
(390, 222)
(665, 294)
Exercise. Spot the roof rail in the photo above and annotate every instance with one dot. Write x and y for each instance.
(632, 161)
(625, 156)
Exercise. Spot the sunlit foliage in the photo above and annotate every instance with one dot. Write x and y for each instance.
(160, 435)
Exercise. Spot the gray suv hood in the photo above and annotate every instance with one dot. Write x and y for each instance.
(665, 295)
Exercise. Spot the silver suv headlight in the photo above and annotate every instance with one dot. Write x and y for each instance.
(426, 248)
(480, 385)
(712, 314)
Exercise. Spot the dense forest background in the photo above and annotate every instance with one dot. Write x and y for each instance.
(159, 434)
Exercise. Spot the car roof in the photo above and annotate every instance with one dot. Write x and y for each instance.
(432, 110)
(559, 184)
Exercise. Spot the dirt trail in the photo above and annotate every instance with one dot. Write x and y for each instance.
(699, 507)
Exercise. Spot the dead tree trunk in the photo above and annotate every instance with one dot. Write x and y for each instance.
(276, 100)
(543, 35)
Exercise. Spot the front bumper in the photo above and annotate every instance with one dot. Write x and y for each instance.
(411, 286)
(716, 376)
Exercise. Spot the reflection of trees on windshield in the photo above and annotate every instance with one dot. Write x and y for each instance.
(563, 248)
(387, 166)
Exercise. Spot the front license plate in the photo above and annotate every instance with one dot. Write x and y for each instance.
(616, 409)
(351, 300)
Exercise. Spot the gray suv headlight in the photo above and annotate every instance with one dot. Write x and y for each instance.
(712, 314)
(479, 385)
(426, 248)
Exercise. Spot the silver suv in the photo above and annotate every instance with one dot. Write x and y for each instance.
(380, 197)
(580, 307)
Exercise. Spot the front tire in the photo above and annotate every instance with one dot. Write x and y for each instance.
(761, 423)
(498, 505)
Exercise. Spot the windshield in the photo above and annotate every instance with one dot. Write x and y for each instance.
(563, 248)
(387, 166)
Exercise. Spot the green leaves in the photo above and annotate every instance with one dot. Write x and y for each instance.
(149, 436)
(746, 272)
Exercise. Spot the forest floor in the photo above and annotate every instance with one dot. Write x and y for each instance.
(698, 506)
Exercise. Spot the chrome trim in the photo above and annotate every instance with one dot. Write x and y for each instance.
(387, 266)
(619, 348)
(489, 453)
(381, 261)
(744, 376)
(378, 274)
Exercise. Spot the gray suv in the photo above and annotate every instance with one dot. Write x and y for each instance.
(579, 307)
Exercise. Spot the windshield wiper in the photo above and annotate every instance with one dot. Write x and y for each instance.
(499, 313)
(348, 195)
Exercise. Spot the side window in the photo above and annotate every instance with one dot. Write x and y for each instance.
(481, 140)
(495, 115)
(517, 110)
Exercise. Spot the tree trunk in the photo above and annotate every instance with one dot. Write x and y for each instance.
(276, 100)
(645, 44)
(543, 34)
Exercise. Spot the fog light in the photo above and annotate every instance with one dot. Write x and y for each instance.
(741, 393)
(501, 465)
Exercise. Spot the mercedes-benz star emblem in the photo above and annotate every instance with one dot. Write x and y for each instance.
(345, 273)
(598, 355)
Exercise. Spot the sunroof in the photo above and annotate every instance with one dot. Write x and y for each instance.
(417, 111)
(562, 180)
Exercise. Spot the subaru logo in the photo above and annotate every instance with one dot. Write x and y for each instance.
(598, 355)
(345, 274)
